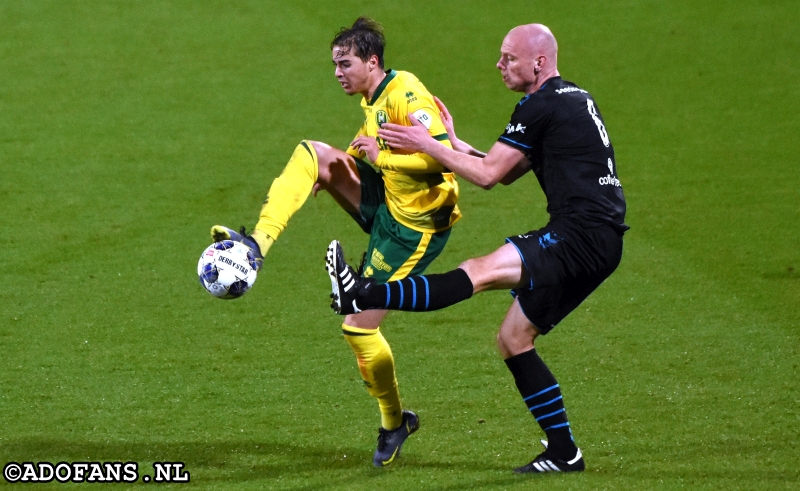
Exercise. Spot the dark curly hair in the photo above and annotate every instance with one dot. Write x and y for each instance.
(365, 37)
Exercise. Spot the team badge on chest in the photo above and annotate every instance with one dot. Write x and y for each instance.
(381, 117)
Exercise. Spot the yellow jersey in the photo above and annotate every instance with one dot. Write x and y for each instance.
(420, 193)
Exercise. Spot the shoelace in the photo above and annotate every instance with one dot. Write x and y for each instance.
(362, 264)
(383, 434)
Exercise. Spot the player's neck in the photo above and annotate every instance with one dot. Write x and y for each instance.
(541, 80)
(374, 84)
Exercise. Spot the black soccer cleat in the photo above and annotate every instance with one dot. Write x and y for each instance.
(345, 282)
(391, 441)
(545, 462)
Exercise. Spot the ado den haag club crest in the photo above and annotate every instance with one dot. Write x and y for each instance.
(381, 117)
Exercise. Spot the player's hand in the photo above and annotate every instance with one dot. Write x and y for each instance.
(447, 120)
(411, 139)
(368, 145)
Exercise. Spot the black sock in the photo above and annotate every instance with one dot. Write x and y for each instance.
(542, 395)
(419, 293)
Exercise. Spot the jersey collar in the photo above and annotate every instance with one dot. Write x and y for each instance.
(557, 77)
(390, 74)
(525, 98)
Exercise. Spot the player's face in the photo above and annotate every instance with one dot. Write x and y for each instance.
(516, 65)
(351, 71)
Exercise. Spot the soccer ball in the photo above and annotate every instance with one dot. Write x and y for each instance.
(227, 269)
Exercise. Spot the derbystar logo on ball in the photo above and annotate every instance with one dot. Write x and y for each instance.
(227, 269)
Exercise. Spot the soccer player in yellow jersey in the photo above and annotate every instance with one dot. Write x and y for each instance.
(405, 202)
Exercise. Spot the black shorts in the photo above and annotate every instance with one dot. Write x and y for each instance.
(566, 262)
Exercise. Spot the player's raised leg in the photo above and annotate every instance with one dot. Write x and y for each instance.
(311, 164)
(499, 270)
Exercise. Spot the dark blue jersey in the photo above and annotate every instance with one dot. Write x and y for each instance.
(560, 129)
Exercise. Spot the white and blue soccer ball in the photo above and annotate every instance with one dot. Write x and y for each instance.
(227, 269)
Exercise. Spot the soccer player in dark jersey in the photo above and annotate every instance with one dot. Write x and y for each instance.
(557, 132)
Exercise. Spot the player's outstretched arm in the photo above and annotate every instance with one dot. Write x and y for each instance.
(416, 163)
(482, 171)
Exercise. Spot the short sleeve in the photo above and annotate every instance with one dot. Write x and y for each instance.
(524, 130)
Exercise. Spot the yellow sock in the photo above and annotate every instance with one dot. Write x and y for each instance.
(288, 193)
(263, 240)
(376, 363)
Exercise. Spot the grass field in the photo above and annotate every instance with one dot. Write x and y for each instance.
(127, 129)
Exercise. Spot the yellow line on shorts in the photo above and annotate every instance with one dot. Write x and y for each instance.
(412, 261)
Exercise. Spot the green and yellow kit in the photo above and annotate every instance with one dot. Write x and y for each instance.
(420, 193)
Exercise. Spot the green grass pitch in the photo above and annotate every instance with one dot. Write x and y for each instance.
(128, 128)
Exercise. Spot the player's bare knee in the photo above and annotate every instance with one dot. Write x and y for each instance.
(322, 151)
(501, 346)
(333, 164)
(511, 344)
(320, 147)
(473, 270)
(483, 273)
(369, 319)
(502, 339)
(467, 267)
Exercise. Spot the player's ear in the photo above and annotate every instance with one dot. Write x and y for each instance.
(373, 61)
(538, 64)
